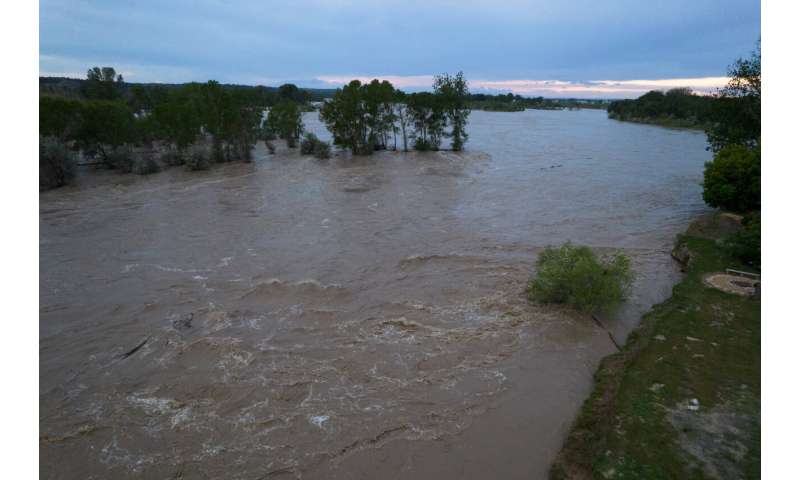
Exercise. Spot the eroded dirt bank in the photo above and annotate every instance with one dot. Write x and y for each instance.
(352, 319)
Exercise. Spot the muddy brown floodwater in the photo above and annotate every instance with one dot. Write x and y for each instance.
(361, 318)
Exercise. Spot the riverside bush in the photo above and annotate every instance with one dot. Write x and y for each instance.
(172, 158)
(198, 158)
(119, 158)
(746, 244)
(732, 181)
(575, 276)
(56, 163)
(144, 163)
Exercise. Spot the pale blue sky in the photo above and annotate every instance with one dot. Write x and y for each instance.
(584, 48)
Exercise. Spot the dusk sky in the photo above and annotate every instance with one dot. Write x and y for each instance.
(564, 48)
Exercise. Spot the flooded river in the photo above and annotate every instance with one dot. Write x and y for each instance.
(357, 318)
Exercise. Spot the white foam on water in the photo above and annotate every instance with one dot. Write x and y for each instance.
(319, 420)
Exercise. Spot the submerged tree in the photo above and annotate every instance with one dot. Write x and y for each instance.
(361, 117)
(105, 126)
(454, 94)
(403, 117)
(286, 121)
(345, 116)
(428, 118)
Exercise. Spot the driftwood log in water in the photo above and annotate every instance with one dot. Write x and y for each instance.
(134, 349)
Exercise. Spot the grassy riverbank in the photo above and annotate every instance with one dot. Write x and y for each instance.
(682, 398)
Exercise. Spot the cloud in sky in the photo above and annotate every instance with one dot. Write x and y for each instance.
(518, 45)
(552, 88)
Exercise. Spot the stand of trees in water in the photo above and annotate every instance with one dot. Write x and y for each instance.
(144, 128)
(364, 117)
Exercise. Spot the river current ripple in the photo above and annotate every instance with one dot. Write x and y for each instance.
(355, 318)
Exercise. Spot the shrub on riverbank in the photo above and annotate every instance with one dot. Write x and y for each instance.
(575, 276)
(732, 181)
(119, 158)
(198, 158)
(746, 244)
(173, 158)
(144, 163)
(56, 163)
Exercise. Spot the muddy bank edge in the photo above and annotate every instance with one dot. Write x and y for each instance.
(682, 397)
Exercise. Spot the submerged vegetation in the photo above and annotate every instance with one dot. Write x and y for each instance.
(575, 276)
(144, 128)
(363, 117)
(312, 145)
(285, 121)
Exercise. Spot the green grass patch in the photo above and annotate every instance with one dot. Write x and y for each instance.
(700, 345)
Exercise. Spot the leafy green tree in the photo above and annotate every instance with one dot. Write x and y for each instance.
(344, 116)
(177, 120)
(573, 275)
(454, 94)
(285, 119)
(737, 111)
(361, 116)
(105, 125)
(59, 117)
(289, 91)
(378, 113)
(213, 105)
(403, 117)
(102, 84)
(732, 181)
(428, 118)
